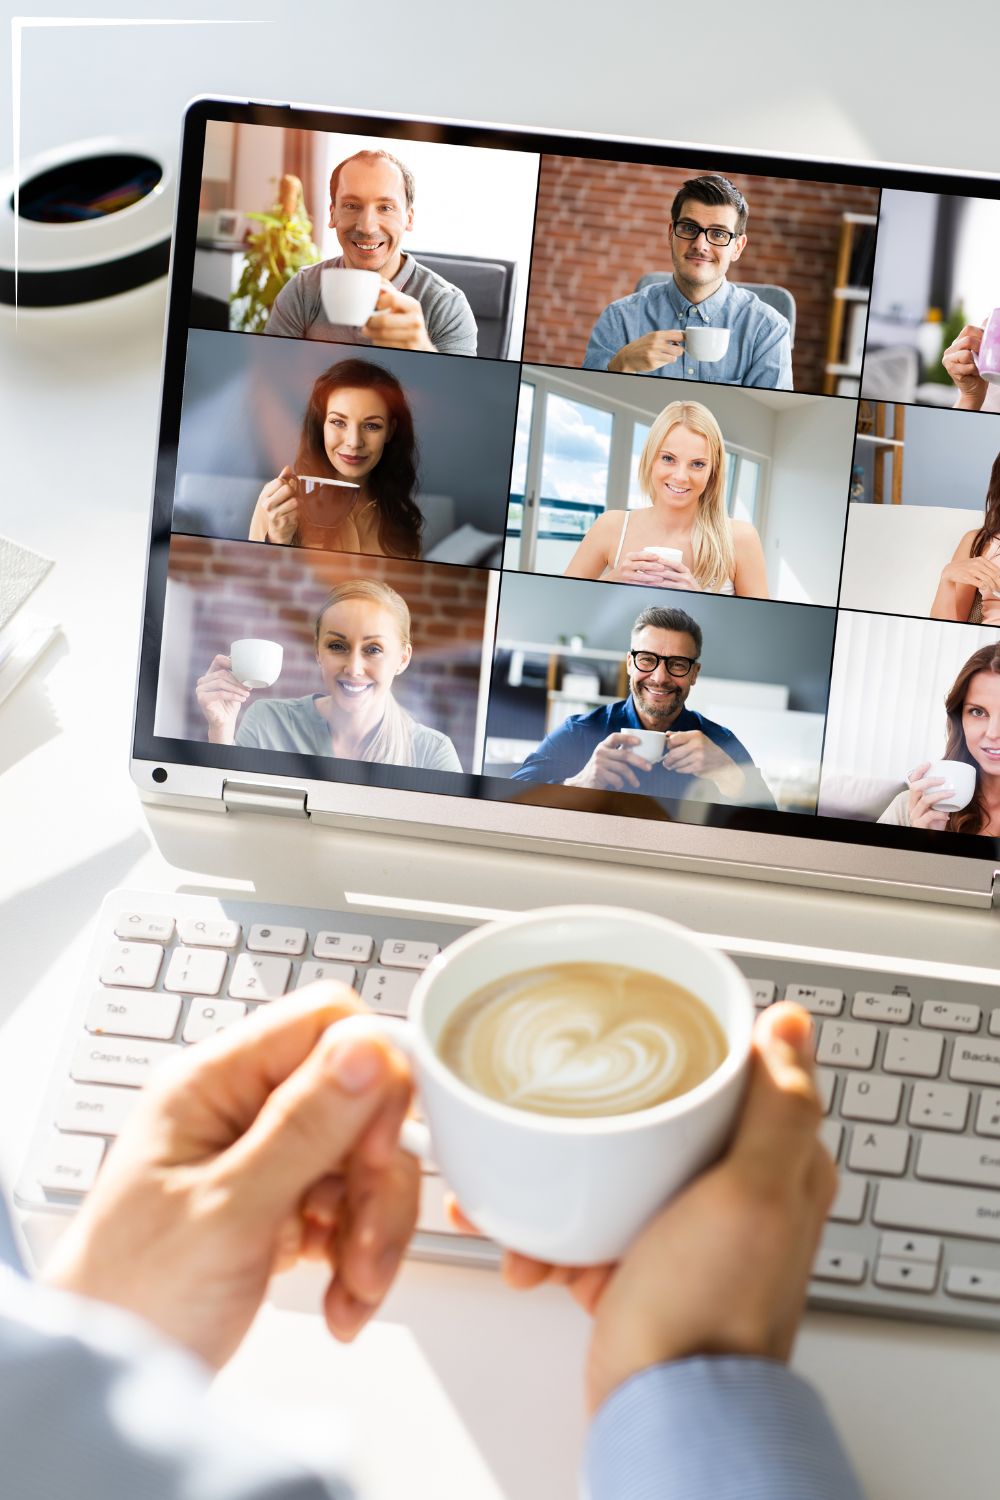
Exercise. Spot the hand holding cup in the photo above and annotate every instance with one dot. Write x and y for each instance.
(959, 359)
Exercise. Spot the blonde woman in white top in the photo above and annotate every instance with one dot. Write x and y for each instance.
(682, 473)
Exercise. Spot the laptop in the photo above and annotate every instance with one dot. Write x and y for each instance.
(624, 501)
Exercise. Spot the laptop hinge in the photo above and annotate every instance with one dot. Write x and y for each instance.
(247, 796)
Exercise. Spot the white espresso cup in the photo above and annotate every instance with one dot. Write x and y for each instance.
(706, 344)
(566, 1189)
(652, 744)
(349, 296)
(256, 663)
(955, 773)
(665, 554)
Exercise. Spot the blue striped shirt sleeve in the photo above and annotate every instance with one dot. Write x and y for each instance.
(721, 1428)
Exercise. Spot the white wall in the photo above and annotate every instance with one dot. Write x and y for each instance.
(804, 529)
(259, 165)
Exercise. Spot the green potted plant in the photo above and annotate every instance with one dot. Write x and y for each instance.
(272, 254)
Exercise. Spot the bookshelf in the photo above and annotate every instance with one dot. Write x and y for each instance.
(849, 305)
(873, 429)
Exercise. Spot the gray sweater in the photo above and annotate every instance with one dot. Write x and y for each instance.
(298, 308)
(295, 724)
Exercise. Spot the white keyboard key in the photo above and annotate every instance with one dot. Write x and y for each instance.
(871, 1006)
(972, 1213)
(264, 939)
(915, 1053)
(132, 965)
(398, 954)
(938, 1106)
(976, 1062)
(994, 1025)
(259, 978)
(831, 1133)
(133, 1013)
(349, 947)
(942, 1015)
(128, 1063)
(926, 1247)
(905, 1275)
(762, 991)
(878, 1148)
(388, 991)
(196, 971)
(69, 1163)
(849, 1204)
(988, 1113)
(207, 932)
(826, 1082)
(139, 926)
(846, 1045)
(839, 1265)
(875, 1099)
(820, 1000)
(969, 1281)
(310, 972)
(89, 1108)
(944, 1160)
(206, 1017)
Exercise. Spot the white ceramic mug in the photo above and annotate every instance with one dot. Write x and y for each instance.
(569, 1190)
(706, 344)
(256, 663)
(652, 744)
(955, 773)
(665, 554)
(349, 296)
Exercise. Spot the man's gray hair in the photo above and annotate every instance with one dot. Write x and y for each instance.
(669, 619)
(409, 182)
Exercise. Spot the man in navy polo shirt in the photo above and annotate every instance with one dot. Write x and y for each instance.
(703, 759)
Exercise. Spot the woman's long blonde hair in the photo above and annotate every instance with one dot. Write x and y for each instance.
(392, 742)
(712, 536)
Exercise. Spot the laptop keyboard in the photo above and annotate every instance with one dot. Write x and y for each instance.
(909, 1070)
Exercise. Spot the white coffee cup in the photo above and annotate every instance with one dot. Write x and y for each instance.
(256, 663)
(706, 344)
(652, 744)
(349, 296)
(955, 773)
(568, 1190)
(665, 554)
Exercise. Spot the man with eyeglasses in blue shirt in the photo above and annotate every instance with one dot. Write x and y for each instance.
(598, 751)
(644, 334)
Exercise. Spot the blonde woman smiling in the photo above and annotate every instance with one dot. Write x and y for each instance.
(682, 473)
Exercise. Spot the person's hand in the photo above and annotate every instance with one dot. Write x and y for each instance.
(268, 1141)
(982, 573)
(220, 697)
(279, 501)
(692, 753)
(398, 321)
(650, 352)
(925, 792)
(958, 361)
(613, 765)
(657, 572)
(724, 1267)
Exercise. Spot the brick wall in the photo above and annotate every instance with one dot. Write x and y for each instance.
(248, 589)
(601, 225)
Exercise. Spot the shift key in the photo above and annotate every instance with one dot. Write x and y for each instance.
(938, 1210)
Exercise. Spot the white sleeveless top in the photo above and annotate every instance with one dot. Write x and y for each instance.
(727, 588)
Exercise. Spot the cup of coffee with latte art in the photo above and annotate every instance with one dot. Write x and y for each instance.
(576, 1066)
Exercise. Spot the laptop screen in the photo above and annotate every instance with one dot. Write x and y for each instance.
(657, 483)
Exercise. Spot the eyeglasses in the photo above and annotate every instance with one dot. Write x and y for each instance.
(648, 661)
(687, 229)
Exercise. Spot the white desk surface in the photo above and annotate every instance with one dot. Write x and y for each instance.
(460, 1390)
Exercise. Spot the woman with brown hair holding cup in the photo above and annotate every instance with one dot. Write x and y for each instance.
(352, 484)
(970, 583)
(683, 538)
(362, 644)
(940, 800)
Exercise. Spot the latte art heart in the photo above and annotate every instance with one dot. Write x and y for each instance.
(583, 1039)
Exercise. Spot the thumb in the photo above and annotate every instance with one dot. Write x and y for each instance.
(348, 1088)
(777, 1130)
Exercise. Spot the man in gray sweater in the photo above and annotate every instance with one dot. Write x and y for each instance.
(371, 208)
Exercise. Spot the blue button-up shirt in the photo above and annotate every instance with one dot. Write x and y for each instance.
(759, 353)
(566, 751)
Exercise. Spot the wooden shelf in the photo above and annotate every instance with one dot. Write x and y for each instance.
(847, 306)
